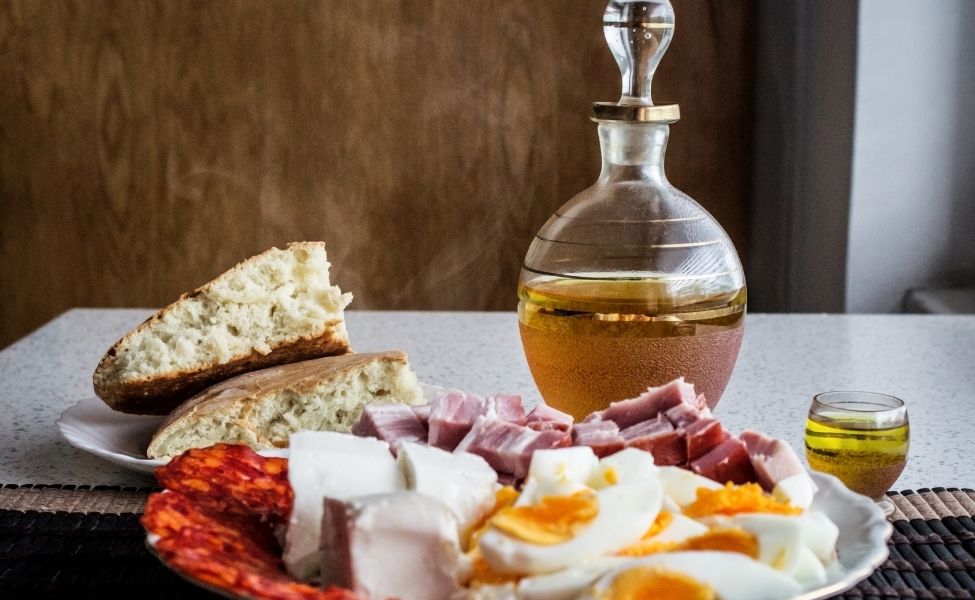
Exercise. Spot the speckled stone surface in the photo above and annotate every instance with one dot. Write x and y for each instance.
(929, 361)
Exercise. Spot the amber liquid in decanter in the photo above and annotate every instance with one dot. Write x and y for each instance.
(591, 341)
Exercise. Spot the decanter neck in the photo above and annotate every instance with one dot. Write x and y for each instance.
(632, 151)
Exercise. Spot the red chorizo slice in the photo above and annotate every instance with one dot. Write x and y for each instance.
(232, 479)
(228, 552)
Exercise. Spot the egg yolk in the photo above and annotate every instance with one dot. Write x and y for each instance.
(482, 574)
(555, 519)
(646, 545)
(503, 498)
(736, 499)
(723, 540)
(641, 583)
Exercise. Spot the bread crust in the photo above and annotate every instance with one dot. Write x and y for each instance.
(159, 394)
(251, 387)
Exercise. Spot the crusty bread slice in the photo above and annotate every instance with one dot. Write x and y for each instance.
(273, 308)
(262, 408)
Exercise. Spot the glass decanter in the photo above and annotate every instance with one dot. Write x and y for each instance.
(631, 283)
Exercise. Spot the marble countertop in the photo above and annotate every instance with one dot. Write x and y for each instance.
(929, 361)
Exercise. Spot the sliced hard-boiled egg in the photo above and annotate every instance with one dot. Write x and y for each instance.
(680, 529)
(553, 520)
(797, 490)
(627, 465)
(681, 485)
(692, 575)
(624, 513)
(780, 538)
(809, 571)
(566, 584)
(819, 534)
(737, 499)
(558, 472)
(651, 581)
(669, 530)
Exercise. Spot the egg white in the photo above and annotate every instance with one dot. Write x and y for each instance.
(681, 485)
(626, 512)
(798, 490)
(559, 472)
(629, 464)
(733, 576)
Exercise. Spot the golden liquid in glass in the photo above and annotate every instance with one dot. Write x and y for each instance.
(591, 342)
(866, 459)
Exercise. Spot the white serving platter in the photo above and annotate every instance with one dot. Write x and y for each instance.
(122, 439)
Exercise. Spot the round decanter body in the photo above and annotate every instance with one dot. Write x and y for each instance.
(630, 284)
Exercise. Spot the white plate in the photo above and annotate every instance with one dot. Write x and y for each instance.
(91, 426)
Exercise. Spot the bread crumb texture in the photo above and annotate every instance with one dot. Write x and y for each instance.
(270, 299)
(266, 421)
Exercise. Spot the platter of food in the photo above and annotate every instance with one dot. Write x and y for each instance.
(352, 517)
(293, 467)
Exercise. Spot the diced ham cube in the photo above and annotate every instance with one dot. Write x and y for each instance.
(452, 414)
(508, 447)
(507, 407)
(702, 436)
(667, 447)
(658, 424)
(683, 415)
(772, 459)
(728, 461)
(602, 436)
(549, 426)
(544, 412)
(647, 405)
(658, 437)
(391, 423)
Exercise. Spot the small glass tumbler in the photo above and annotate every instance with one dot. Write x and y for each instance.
(860, 437)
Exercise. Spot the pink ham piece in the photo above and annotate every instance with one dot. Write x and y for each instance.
(392, 423)
(507, 407)
(647, 405)
(508, 447)
(702, 436)
(545, 413)
(602, 436)
(658, 437)
(549, 426)
(728, 461)
(452, 414)
(685, 414)
(772, 459)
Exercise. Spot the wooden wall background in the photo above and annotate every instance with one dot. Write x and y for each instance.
(145, 146)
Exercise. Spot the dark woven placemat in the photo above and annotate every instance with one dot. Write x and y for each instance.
(80, 542)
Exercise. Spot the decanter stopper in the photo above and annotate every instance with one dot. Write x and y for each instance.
(638, 33)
